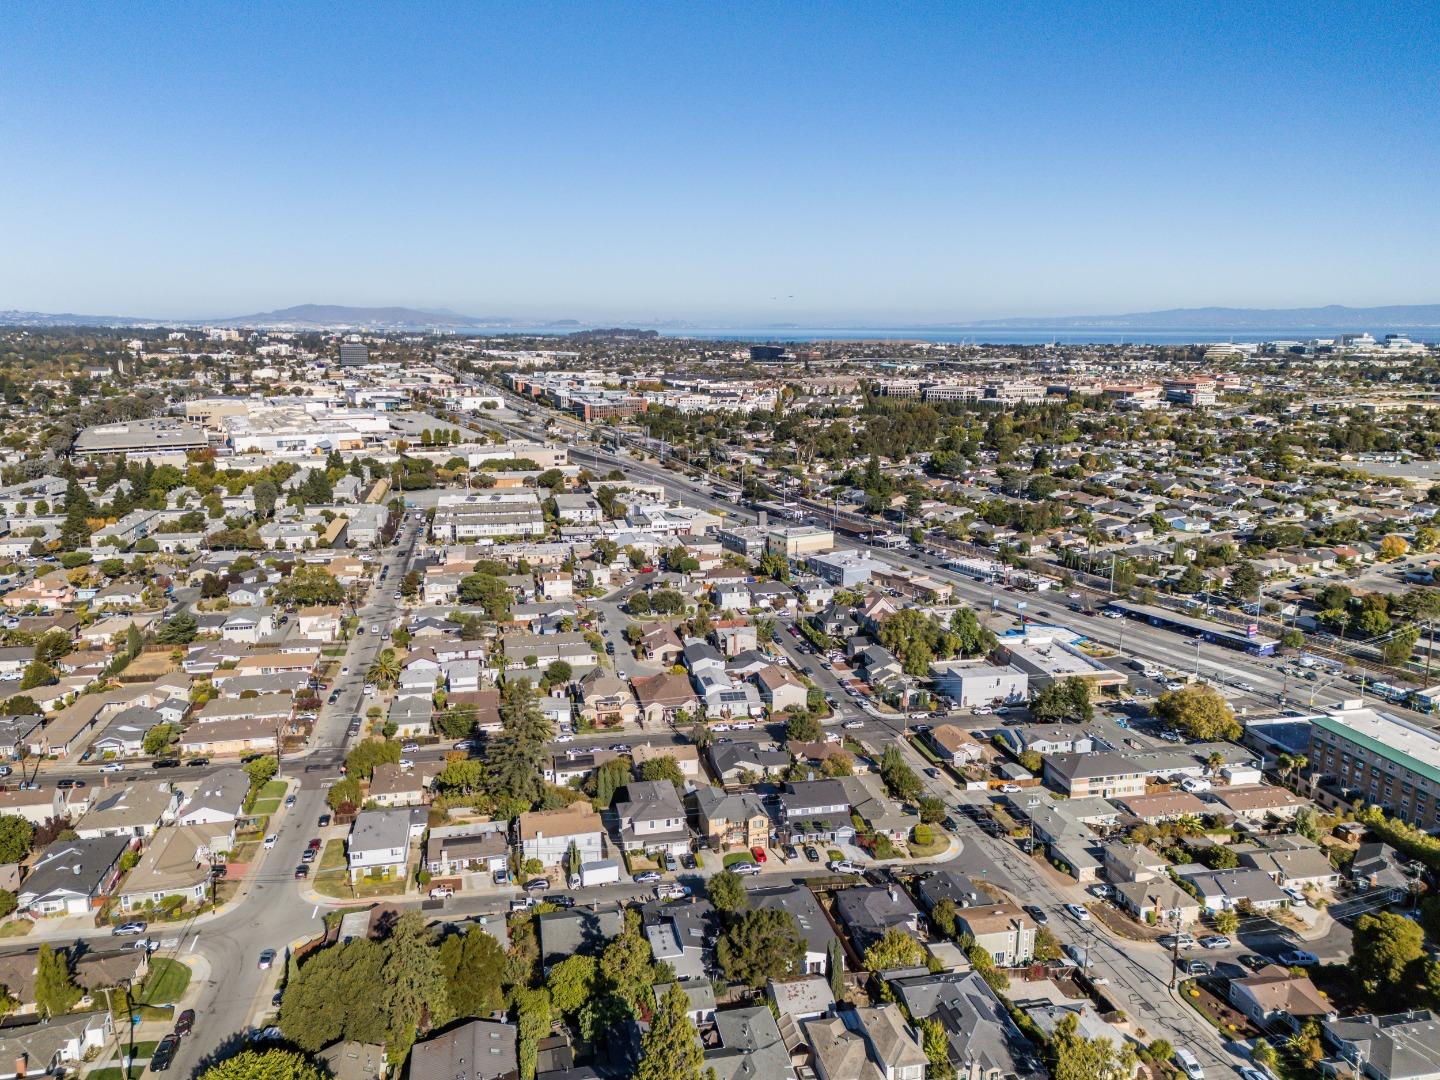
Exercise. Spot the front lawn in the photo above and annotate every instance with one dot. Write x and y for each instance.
(166, 982)
(737, 857)
(333, 857)
(16, 928)
(336, 884)
(940, 843)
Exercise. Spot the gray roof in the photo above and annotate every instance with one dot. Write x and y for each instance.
(946, 885)
(870, 910)
(1400, 1046)
(223, 791)
(977, 1027)
(72, 867)
(375, 830)
(564, 933)
(478, 1050)
(801, 903)
(649, 800)
(750, 1046)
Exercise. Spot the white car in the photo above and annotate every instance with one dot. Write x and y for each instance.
(1077, 912)
(1009, 789)
(112, 766)
(719, 727)
(270, 841)
(844, 866)
(558, 738)
(406, 763)
(743, 725)
(853, 724)
(410, 748)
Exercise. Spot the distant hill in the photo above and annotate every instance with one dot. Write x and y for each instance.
(1219, 319)
(389, 318)
(42, 318)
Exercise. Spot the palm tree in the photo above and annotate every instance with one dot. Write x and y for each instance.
(385, 671)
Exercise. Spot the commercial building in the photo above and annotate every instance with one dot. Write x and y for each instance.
(354, 354)
(140, 438)
(1375, 756)
(974, 682)
(798, 541)
(1045, 658)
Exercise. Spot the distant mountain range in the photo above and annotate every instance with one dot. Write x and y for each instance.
(316, 316)
(1219, 319)
(1210, 320)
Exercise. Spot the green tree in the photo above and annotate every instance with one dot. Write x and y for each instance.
(1383, 949)
(803, 728)
(610, 776)
(835, 965)
(973, 639)
(759, 945)
(416, 991)
(488, 592)
(932, 810)
(895, 949)
(1245, 581)
(261, 771)
(266, 1065)
(361, 761)
(385, 671)
(937, 1050)
(36, 674)
(629, 965)
(1226, 922)
(473, 964)
(670, 1049)
(572, 983)
(1047, 946)
(533, 1019)
(1199, 711)
(726, 890)
(179, 629)
(344, 792)
(1074, 1057)
(1068, 699)
(55, 990)
(664, 767)
(264, 494)
(516, 755)
(16, 836)
(158, 739)
(309, 585)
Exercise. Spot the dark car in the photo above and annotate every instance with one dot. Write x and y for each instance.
(193, 762)
(1194, 968)
(1252, 962)
(164, 1053)
(561, 900)
(688, 861)
(790, 851)
(334, 697)
(65, 785)
(324, 820)
(811, 855)
(609, 648)
(1036, 912)
(165, 763)
(302, 871)
(185, 1022)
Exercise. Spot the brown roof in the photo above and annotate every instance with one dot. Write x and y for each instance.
(578, 817)
(1257, 797)
(668, 689)
(994, 918)
(1165, 802)
(1277, 989)
(950, 737)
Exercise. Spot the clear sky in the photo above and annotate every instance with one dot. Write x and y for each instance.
(718, 162)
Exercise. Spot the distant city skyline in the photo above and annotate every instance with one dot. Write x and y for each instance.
(852, 164)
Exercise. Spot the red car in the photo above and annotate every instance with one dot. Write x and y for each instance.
(759, 854)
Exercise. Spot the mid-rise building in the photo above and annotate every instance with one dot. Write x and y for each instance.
(1375, 756)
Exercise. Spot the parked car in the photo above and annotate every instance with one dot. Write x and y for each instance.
(852, 724)
(844, 866)
(743, 868)
(1215, 941)
(1252, 962)
(538, 884)
(1298, 958)
(1077, 912)
(324, 820)
(1189, 1064)
(560, 900)
(790, 851)
(1176, 941)
(410, 748)
(165, 763)
(688, 861)
(1036, 912)
(1193, 968)
(125, 929)
(811, 855)
(164, 1053)
(671, 863)
(267, 957)
(108, 767)
(441, 892)
(501, 877)
(270, 841)
(759, 854)
(185, 1022)
(646, 877)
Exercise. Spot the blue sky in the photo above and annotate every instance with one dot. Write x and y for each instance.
(709, 162)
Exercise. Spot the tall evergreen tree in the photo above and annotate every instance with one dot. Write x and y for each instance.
(671, 1049)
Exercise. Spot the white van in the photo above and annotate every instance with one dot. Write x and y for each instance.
(1189, 1064)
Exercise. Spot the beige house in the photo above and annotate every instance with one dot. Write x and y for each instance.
(243, 735)
(606, 700)
(661, 697)
(391, 785)
(177, 863)
(1276, 998)
(1002, 930)
(731, 820)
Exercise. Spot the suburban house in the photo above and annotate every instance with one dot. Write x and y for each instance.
(662, 696)
(606, 700)
(686, 757)
(1277, 999)
(779, 689)
(731, 820)
(135, 810)
(72, 876)
(476, 1050)
(817, 810)
(983, 1042)
(868, 911)
(1162, 899)
(1002, 930)
(379, 841)
(864, 1043)
(953, 746)
(815, 928)
(652, 818)
(217, 799)
(1106, 774)
(177, 863)
(455, 849)
(547, 834)
(734, 762)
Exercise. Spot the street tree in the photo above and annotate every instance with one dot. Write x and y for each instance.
(726, 889)
(1199, 711)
